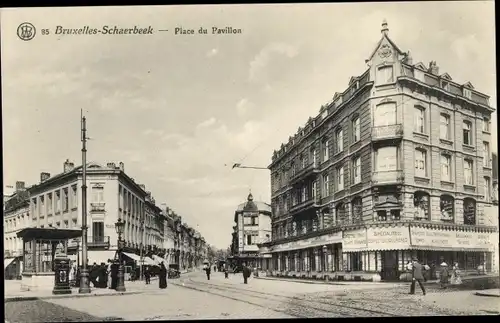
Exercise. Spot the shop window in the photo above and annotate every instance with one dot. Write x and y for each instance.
(357, 210)
(469, 211)
(447, 208)
(421, 202)
(382, 215)
(395, 215)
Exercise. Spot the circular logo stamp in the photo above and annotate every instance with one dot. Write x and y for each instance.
(26, 31)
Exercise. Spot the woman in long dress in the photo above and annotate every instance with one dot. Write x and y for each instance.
(163, 276)
(455, 276)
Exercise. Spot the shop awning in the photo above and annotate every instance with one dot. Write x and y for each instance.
(99, 257)
(159, 260)
(7, 262)
(150, 262)
(441, 248)
(132, 256)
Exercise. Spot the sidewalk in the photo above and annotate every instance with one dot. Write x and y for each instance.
(488, 293)
(331, 282)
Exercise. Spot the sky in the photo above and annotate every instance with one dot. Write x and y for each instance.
(179, 110)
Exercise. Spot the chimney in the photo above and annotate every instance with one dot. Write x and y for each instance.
(111, 165)
(44, 177)
(122, 166)
(20, 186)
(385, 28)
(433, 68)
(68, 166)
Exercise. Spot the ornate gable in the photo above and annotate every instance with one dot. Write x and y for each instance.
(469, 85)
(446, 76)
(385, 47)
(420, 66)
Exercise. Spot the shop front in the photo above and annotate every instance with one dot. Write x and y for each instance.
(314, 257)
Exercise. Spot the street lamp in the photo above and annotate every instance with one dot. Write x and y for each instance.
(119, 226)
(325, 248)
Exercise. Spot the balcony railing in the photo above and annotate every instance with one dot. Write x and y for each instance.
(92, 241)
(97, 207)
(305, 171)
(302, 205)
(348, 221)
(388, 177)
(387, 132)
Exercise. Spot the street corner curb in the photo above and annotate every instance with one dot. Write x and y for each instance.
(49, 297)
(486, 294)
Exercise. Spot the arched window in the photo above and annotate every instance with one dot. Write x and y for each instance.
(357, 209)
(469, 211)
(341, 213)
(447, 208)
(327, 218)
(294, 228)
(421, 202)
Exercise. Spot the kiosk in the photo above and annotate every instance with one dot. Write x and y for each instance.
(40, 247)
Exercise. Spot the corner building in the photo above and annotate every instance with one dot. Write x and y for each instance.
(398, 165)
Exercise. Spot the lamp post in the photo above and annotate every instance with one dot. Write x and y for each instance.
(325, 257)
(119, 226)
(84, 275)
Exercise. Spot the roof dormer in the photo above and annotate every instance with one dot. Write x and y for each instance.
(446, 76)
(420, 66)
(468, 85)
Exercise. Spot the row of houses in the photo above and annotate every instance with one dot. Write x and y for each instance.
(151, 229)
(397, 166)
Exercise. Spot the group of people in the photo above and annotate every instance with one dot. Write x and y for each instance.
(418, 275)
(246, 271)
(106, 276)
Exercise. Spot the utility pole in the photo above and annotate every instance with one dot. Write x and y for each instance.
(84, 275)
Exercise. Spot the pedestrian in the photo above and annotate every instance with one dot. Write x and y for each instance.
(417, 276)
(215, 269)
(455, 275)
(246, 273)
(147, 276)
(226, 272)
(114, 275)
(108, 270)
(102, 275)
(207, 271)
(444, 275)
(162, 277)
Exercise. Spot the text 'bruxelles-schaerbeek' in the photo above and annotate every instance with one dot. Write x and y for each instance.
(104, 30)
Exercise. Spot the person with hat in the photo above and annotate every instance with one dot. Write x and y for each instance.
(443, 275)
(417, 276)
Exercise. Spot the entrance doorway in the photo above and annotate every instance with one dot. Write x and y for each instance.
(389, 266)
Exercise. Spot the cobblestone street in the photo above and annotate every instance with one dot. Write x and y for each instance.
(193, 297)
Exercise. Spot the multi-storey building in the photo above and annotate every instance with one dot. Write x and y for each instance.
(16, 218)
(253, 226)
(112, 195)
(398, 165)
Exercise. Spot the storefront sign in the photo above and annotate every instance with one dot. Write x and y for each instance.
(326, 239)
(451, 239)
(392, 238)
(354, 240)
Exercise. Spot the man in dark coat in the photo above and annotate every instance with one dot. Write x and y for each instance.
(246, 273)
(162, 277)
(114, 275)
(417, 276)
(147, 276)
(207, 271)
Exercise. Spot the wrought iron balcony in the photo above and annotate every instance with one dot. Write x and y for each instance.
(348, 221)
(97, 207)
(387, 132)
(388, 177)
(304, 172)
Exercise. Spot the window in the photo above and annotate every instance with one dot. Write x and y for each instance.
(421, 202)
(486, 125)
(315, 157)
(385, 115)
(420, 119)
(98, 195)
(444, 126)
(340, 178)
(58, 201)
(74, 196)
(385, 75)
(341, 213)
(42, 205)
(386, 159)
(326, 143)
(420, 163)
(467, 93)
(304, 162)
(65, 200)
(486, 154)
(314, 188)
(303, 191)
(249, 239)
(467, 133)
(468, 166)
(326, 186)
(356, 167)
(49, 203)
(255, 220)
(447, 208)
(356, 131)
(487, 189)
(357, 209)
(340, 141)
(469, 211)
(445, 85)
(445, 168)
(98, 232)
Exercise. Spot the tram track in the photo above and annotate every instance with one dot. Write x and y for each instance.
(298, 306)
